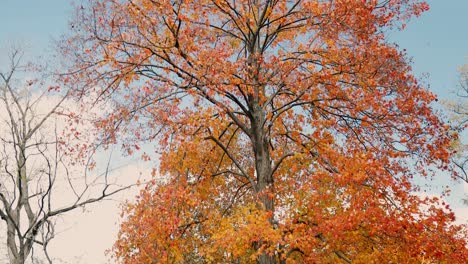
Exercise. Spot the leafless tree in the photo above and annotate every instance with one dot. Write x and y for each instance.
(459, 119)
(37, 180)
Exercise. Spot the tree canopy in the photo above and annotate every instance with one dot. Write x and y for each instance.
(289, 131)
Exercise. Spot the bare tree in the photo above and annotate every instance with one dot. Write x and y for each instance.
(459, 120)
(37, 180)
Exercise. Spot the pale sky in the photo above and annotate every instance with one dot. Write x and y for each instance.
(437, 43)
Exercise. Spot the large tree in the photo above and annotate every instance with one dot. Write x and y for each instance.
(289, 131)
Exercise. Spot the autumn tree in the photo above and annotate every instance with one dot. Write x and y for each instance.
(289, 131)
(38, 151)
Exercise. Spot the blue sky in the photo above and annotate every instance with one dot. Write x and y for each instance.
(437, 42)
(32, 23)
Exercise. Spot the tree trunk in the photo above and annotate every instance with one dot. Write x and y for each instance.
(11, 244)
(19, 260)
(264, 173)
(18, 253)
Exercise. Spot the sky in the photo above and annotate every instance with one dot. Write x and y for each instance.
(437, 43)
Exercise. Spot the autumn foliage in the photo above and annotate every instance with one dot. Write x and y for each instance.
(289, 131)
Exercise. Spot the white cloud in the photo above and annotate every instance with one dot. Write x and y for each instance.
(88, 234)
(461, 215)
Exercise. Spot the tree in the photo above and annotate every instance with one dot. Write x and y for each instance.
(38, 181)
(459, 118)
(289, 131)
